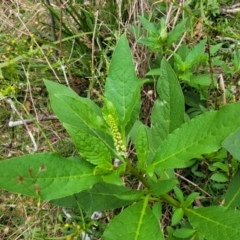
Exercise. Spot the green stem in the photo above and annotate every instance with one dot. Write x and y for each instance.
(146, 183)
(137, 174)
(171, 200)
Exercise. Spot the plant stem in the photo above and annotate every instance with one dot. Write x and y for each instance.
(171, 200)
(139, 176)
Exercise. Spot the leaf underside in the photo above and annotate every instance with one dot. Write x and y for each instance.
(101, 197)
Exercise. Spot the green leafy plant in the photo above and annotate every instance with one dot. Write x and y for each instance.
(158, 37)
(191, 66)
(93, 180)
(194, 65)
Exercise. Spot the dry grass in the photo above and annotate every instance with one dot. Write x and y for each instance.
(22, 217)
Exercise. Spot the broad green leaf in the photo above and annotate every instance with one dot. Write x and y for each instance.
(179, 194)
(90, 147)
(168, 111)
(192, 99)
(161, 187)
(220, 165)
(157, 209)
(135, 222)
(232, 197)
(195, 53)
(177, 216)
(101, 197)
(68, 109)
(142, 147)
(160, 125)
(169, 90)
(135, 30)
(154, 72)
(186, 76)
(46, 175)
(150, 27)
(134, 131)
(179, 63)
(232, 144)
(203, 80)
(183, 51)
(130, 195)
(201, 135)
(76, 111)
(219, 155)
(114, 177)
(90, 116)
(190, 198)
(215, 48)
(122, 86)
(133, 135)
(215, 223)
(152, 42)
(219, 177)
(177, 31)
(62, 109)
(170, 232)
(134, 117)
(184, 233)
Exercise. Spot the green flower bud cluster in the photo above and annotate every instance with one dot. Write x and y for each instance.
(118, 142)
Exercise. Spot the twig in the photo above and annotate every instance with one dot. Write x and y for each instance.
(178, 46)
(176, 18)
(21, 122)
(30, 90)
(63, 67)
(228, 39)
(234, 5)
(169, 13)
(11, 103)
(229, 156)
(222, 88)
(192, 183)
(67, 214)
(230, 170)
(230, 10)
